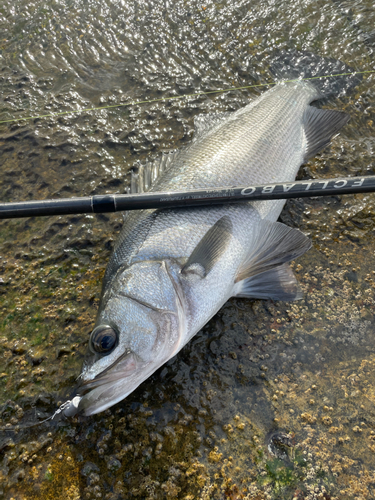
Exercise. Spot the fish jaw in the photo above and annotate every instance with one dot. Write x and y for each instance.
(114, 384)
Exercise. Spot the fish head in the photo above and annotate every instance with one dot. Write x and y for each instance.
(139, 327)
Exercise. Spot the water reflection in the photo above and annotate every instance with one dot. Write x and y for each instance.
(201, 427)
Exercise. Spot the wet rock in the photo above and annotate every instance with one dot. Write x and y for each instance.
(113, 463)
(88, 468)
(43, 442)
(23, 382)
(35, 356)
(280, 445)
(20, 347)
(63, 350)
(6, 444)
(18, 476)
(44, 399)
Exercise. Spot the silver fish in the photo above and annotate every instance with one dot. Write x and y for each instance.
(172, 270)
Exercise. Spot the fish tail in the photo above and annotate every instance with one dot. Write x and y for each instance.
(329, 76)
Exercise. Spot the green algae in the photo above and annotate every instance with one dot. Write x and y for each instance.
(280, 475)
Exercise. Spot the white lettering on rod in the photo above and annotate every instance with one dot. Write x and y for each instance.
(249, 190)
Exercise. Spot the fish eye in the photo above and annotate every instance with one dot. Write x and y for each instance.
(103, 339)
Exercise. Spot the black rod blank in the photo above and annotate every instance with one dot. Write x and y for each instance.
(178, 199)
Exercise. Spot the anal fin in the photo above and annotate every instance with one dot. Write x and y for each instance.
(275, 284)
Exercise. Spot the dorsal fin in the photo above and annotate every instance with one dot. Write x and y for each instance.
(142, 176)
(320, 126)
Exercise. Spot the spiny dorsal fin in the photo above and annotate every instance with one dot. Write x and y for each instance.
(274, 244)
(320, 126)
(210, 248)
(275, 284)
(142, 176)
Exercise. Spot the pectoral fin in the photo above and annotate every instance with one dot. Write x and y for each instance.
(210, 248)
(263, 273)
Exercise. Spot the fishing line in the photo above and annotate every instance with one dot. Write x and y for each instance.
(20, 427)
(185, 96)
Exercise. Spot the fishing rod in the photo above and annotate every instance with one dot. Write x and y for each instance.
(177, 199)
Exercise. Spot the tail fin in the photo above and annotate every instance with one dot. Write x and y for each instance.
(292, 65)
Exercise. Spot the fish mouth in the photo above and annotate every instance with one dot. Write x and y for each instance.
(112, 385)
(122, 367)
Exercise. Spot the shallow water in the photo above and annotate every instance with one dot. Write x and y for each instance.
(269, 400)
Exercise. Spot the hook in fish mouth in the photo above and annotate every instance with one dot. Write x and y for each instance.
(109, 387)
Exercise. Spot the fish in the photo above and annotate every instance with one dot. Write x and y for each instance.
(172, 270)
